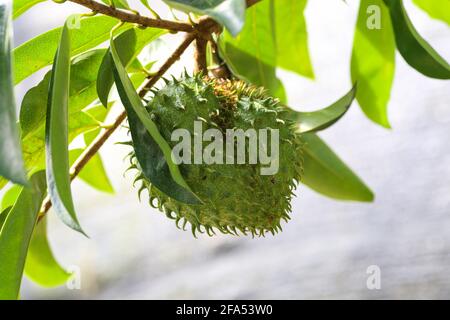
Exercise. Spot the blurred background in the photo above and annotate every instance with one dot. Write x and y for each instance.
(135, 252)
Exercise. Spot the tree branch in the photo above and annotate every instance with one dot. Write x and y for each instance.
(135, 18)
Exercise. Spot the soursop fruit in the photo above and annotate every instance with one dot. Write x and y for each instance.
(236, 198)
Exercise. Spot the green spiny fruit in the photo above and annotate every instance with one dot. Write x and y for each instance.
(236, 197)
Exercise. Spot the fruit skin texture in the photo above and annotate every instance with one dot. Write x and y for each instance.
(236, 197)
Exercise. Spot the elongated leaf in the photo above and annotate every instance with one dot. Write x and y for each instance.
(229, 13)
(437, 9)
(41, 266)
(93, 173)
(15, 236)
(415, 50)
(11, 160)
(129, 44)
(56, 136)
(325, 173)
(38, 52)
(373, 60)
(322, 119)
(292, 37)
(3, 216)
(152, 151)
(20, 6)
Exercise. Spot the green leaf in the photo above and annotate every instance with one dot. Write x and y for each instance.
(38, 52)
(415, 50)
(20, 6)
(41, 266)
(11, 160)
(93, 173)
(292, 37)
(325, 173)
(3, 216)
(436, 9)
(152, 151)
(324, 118)
(56, 136)
(10, 197)
(229, 13)
(15, 236)
(129, 44)
(373, 60)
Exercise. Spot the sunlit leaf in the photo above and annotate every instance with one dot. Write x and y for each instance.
(56, 135)
(292, 37)
(10, 197)
(20, 6)
(437, 9)
(41, 266)
(93, 173)
(38, 52)
(373, 60)
(15, 236)
(325, 173)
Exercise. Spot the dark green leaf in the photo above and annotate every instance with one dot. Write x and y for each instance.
(128, 45)
(437, 9)
(38, 52)
(56, 136)
(324, 118)
(230, 13)
(20, 6)
(373, 60)
(292, 37)
(11, 160)
(41, 266)
(15, 236)
(325, 173)
(415, 50)
(152, 151)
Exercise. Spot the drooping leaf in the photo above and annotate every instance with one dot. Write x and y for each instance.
(436, 9)
(41, 266)
(56, 135)
(416, 51)
(229, 13)
(292, 37)
(373, 60)
(93, 173)
(20, 6)
(38, 52)
(15, 236)
(324, 118)
(129, 44)
(325, 173)
(152, 151)
(11, 160)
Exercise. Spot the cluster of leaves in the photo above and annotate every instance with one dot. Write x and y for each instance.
(72, 100)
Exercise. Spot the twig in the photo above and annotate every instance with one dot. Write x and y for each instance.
(200, 55)
(135, 18)
(93, 148)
